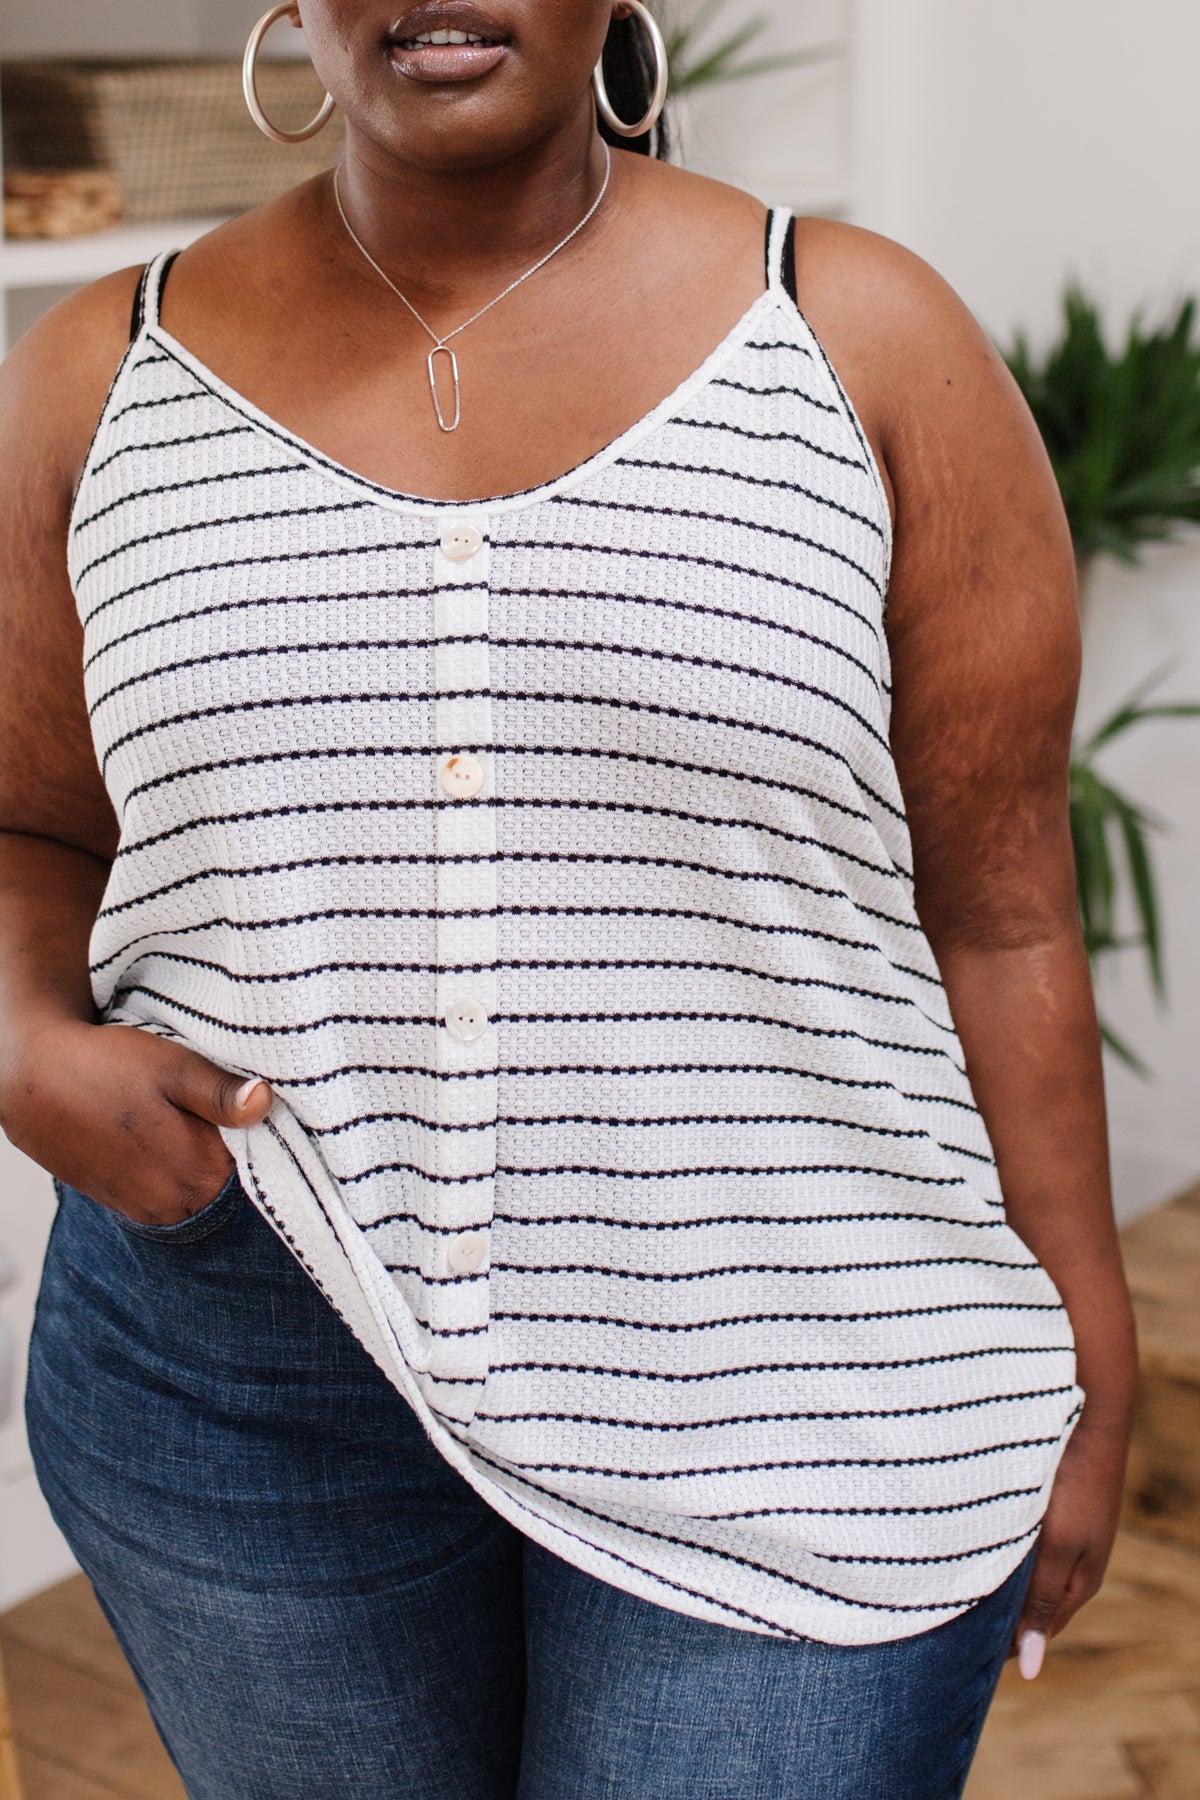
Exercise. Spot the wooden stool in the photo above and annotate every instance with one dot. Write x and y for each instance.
(10, 1780)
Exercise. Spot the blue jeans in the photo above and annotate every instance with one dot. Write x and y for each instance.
(315, 1604)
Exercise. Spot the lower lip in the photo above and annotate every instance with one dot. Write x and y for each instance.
(448, 62)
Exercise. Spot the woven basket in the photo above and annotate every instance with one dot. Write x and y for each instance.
(176, 136)
(61, 203)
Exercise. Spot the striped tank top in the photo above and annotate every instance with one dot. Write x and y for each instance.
(547, 857)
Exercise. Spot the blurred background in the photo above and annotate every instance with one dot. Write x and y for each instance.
(1023, 150)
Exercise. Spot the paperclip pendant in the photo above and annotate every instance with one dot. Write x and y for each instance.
(445, 350)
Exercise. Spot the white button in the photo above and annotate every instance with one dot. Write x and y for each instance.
(462, 776)
(468, 1254)
(461, 541)
(466, 1020)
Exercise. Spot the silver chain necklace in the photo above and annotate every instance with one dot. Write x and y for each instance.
(441, 345)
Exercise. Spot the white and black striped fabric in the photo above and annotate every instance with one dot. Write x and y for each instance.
(619, 1108)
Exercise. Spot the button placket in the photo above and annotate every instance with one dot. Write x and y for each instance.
(465, 1002)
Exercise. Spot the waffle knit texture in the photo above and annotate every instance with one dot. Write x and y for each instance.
(619, 1109)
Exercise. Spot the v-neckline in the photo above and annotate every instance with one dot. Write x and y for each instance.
(396, 500)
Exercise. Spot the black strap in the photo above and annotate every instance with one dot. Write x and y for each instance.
(788, 269)
(789, 261)
(138, 318)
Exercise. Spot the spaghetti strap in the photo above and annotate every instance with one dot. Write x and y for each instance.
(789, 263)
(138, 316)
(147, 301)
(779, 240)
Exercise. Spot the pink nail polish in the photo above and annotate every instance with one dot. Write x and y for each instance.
(1030, 1653)
(242, 1097)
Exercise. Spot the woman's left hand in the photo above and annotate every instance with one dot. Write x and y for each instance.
(1077, 1535)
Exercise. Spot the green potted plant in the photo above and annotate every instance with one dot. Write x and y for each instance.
(698, 59)
(1122, 429)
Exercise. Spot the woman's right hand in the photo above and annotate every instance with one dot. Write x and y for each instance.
(126, 1117)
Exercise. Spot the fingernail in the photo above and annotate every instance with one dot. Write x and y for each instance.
(244, 1093)
(1030, 1653)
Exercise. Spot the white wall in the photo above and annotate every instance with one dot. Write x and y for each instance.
(1012, 144)
(786, 136)
(125, 27)
(134, 28)
(32, 1554)
(1012, 147)
(222, 26)
(102, 28)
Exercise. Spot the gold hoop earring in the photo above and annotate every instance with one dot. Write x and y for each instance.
(250, 85)
(662, 75)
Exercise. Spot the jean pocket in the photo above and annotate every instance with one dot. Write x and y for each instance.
(195, 1229)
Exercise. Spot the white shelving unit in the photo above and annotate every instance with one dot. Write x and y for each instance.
(42, 264)
(80, 28)
(48, 266)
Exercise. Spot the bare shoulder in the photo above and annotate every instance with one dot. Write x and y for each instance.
(675, 187)
(54, 381)
(881, 290)
(907, 347)
(696, 217)
(53, 387)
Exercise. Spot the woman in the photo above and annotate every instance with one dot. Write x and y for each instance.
(584, 1263)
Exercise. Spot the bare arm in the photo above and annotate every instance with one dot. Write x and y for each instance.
(123, 1115)
(984, 636)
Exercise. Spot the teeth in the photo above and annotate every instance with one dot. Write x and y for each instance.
(445, 37)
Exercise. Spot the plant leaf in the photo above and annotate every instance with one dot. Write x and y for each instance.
(693, 66)
(1090, 812)
(1133, 832)
(1122, 427)
(1103, 820)
(763, 65)
(1121, 1049)
(713, 64)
